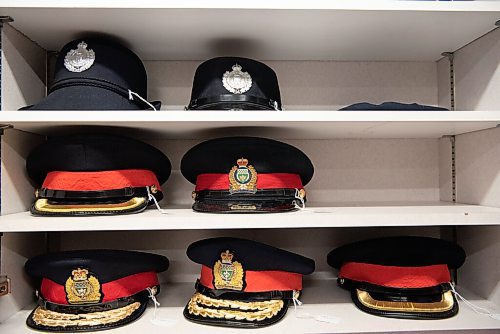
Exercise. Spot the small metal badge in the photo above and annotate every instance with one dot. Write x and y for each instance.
(236, 81)
(82, 288)
(80, 59)
(228, 274)
(242, 178)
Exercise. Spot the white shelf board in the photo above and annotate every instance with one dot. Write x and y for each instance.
(267, 30)
(368, 5)
(368, 215)
(320, 297)
(308, 124)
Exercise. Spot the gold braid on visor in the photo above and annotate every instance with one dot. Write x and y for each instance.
(445, 304)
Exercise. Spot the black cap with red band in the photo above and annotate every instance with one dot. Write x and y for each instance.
(93, 174)
(244, 283)
(400, 277)
(247, 174)
(88, 290)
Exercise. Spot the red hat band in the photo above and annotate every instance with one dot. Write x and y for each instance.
(102, 180)
(255, 281)
(96, 292)
(264, 181)
(396, 277)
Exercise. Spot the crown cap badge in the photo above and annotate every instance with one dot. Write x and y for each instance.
(79, 60)
(82, 288)
(226, 257)
(242, 162)
(237, 81)
(242, 178)
(228, 274)
(79, 274)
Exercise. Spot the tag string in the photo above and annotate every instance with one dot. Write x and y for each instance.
(475, 308)
(296, 301)
(131, 95)
(297, 196)
(304, 315)
(152, 198)
(156, 303)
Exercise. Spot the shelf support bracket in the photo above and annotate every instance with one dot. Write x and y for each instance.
(4, 286)
(5, 19)
(453, 170)
(4, 280)
(451, 56)
(450, 232)
(4, 127)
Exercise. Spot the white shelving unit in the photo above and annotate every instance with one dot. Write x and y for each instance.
(297, 124)
(377, 173)
(183, 30)
(333, 215)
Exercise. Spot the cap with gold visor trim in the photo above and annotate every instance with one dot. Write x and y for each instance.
(90, 290)
(244, 283)
(400, 277)
(93, 174)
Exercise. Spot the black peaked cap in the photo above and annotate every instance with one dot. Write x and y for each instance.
(403, 251)
(253, 255)
(103, 84)
(107, 264)
(95, 152)
(266, 155)
(207, 80)
(113, 63)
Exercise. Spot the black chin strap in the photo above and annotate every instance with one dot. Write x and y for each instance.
(243, 296)
(98, 83)
(140, 297)
(258, 102)
(94, 194)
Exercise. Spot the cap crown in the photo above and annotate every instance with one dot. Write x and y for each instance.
(265, 155)
(249, 77)
(403, 251)
(113, 63)
(107, 264)
(95, 152)
(253, 255)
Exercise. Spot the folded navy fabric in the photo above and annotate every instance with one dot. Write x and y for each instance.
(390, 106)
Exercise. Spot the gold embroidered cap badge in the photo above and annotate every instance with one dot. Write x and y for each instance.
(242, 178)
(82, 288)
(228, 274)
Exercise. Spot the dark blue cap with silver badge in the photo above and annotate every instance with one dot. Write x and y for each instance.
(229, 83)
(97, 74)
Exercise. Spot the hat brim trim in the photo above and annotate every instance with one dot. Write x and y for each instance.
(84, 97)
(244, 206)
(233, 102)
(44, 206)
(50, 321)
(234, 313)
(446, 307)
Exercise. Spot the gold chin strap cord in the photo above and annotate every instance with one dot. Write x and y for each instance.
(207, 307)
(54, 319)
(44, 206)
(445, 304)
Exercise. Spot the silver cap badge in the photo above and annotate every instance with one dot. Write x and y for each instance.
(236, 81)
(80, 59)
